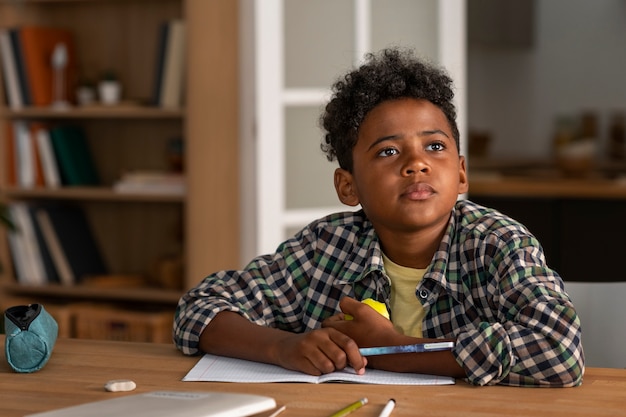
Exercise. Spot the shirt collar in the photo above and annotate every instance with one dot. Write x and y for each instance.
(364, 259)
(367, 257)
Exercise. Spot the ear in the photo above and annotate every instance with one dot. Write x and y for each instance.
(463, 181)
(344, 186)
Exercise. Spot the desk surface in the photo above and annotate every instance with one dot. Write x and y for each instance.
(79, 369)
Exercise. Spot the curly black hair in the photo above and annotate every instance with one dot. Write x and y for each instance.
(392, 74)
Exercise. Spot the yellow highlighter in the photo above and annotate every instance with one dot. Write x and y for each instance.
(347, 410)
(376, 305)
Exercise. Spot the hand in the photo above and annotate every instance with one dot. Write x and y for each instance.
(367, 328)
(319, 352)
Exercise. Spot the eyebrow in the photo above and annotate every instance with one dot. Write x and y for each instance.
(422, 133)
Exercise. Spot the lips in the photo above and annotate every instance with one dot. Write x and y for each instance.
(419, 191)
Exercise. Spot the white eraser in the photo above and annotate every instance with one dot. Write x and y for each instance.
(118, 385)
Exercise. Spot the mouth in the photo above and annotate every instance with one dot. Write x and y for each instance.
(418, 191)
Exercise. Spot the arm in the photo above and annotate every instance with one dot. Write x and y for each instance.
(264, 293)
(316, 352)
(268, 312)
(530, 334)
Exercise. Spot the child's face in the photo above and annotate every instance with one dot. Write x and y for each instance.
(407, 172)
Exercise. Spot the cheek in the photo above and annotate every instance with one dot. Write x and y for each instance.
(375, 197)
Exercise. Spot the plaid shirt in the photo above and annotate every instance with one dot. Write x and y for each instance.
(488, 287)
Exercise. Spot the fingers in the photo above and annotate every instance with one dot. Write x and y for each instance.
(336, 318)
(343, 351)
(351, 351)
(349, 305)
(325, 356)
(322, 351)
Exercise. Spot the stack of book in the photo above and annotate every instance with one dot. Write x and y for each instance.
(40, 156)
(53, 244)
(151, 182)
(27, 54)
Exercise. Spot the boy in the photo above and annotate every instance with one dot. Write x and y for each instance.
(446, 269)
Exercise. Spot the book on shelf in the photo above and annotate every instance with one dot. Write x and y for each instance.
(9, 70)
(151, 182)
(45, 152)
(9, 155)
(59, 260)
(170, 67)
(18, 253)
(18, 250)
(73, 155)
(161, 44)
(18, 247)
(20, 65)
(33, 128)
(28, 156)
(47, 262)
(25, 246)
(74, 250)
(52, 244)
(38, 45)
(25, 160)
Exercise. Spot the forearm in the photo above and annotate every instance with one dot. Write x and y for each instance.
(230, 334)
(522, 355)
(432, 363)
(316, 352)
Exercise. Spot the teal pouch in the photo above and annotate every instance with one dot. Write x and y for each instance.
(31, 333)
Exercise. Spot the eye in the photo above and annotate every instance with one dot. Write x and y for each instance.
(388, 152)
(436, 146)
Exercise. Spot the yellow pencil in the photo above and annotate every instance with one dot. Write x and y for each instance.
(347, 410)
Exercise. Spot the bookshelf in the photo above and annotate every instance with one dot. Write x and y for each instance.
(135, 230)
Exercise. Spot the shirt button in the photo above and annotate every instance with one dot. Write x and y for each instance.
(423, 294)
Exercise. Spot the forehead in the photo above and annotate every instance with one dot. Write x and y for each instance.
(394, 116)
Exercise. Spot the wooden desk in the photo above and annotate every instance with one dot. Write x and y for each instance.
(79, 369)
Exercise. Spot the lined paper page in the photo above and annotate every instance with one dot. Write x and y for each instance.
(223, 369)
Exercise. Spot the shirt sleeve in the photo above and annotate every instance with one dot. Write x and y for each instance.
(534, 338)
(267, 292)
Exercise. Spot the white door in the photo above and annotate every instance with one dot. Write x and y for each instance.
(292, 51)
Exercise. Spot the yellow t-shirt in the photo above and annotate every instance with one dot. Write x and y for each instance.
(407, 312)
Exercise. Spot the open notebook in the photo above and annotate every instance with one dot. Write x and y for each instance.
(170, 404)
(223, 369)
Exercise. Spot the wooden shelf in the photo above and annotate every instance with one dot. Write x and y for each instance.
(88, 193)
(127, 111)
(78, 292)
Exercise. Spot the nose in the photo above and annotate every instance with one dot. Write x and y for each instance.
(415, 162)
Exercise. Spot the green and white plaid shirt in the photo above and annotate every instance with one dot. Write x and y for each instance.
(488, 287)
